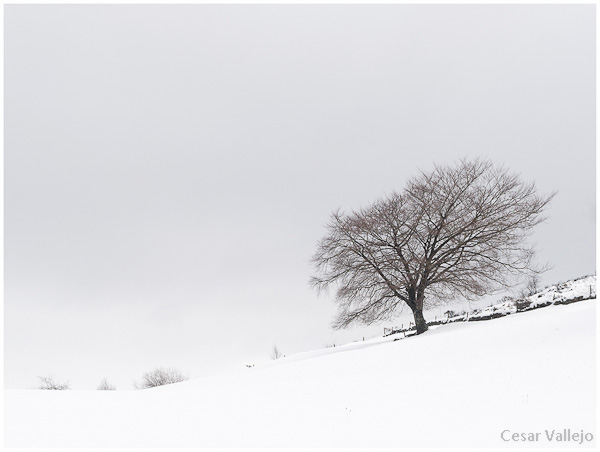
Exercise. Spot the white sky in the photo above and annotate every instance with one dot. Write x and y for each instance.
(169, 169)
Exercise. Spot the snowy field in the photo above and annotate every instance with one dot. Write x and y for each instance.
(460, 384)
(561, 293)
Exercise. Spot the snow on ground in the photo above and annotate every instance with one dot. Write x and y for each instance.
(460, 384)
(575, 289)
(584, 287)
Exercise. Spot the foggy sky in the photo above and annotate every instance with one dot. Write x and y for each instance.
(169, 169)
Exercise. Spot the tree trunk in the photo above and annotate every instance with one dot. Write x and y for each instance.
(415, 303)
(420, 322)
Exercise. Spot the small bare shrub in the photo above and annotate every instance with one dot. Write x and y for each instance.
(531, 287)
(105, 386)
(161, 376)
(450, 313)
(49, 383)
(275, 353)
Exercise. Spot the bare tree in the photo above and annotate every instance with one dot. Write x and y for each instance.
(48, 382)
(531, 287)
(275, 353)
(455, 232)
(105, 386)
(161, 376)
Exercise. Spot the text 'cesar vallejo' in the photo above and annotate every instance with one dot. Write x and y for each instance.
(559, 436)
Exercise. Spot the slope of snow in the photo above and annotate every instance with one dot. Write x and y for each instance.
(584, 287)
(460, 384)
(575, 289)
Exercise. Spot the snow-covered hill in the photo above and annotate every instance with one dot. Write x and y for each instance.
(462, 384)
(567, 292)
(571, 291)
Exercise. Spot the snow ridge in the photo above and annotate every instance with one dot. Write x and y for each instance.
(571, 291)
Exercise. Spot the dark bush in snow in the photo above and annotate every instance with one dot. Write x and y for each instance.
(161, 376)
(49, 383)
(522, 304)
(105, 386)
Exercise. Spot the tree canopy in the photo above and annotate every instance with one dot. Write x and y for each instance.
(458, 231)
